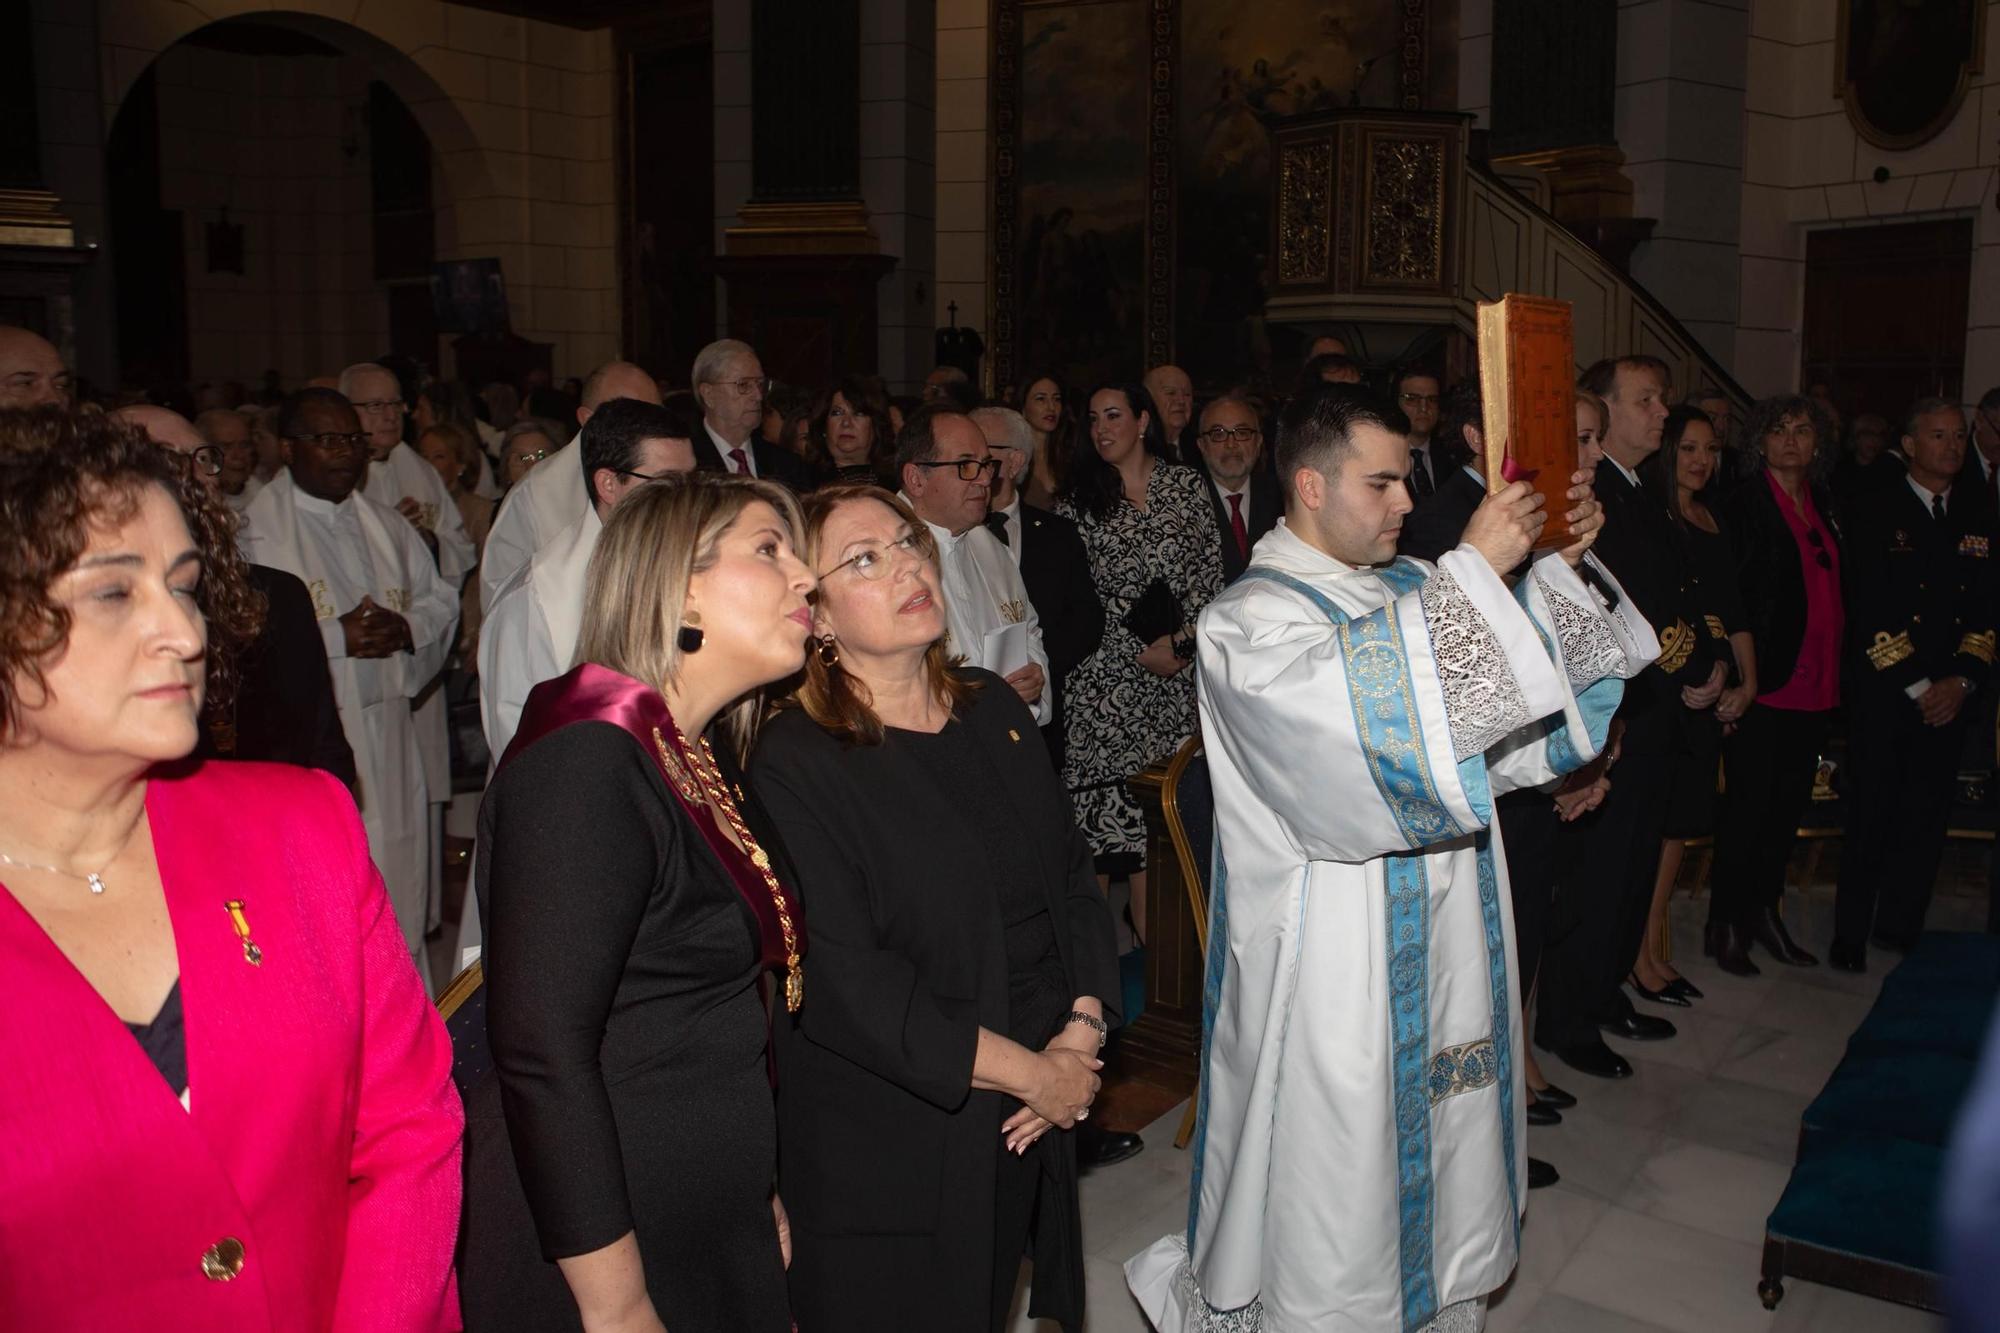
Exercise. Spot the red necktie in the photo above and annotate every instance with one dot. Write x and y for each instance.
(742, 462)
(1236, 525)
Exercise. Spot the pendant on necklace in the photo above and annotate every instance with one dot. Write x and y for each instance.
(96, 883)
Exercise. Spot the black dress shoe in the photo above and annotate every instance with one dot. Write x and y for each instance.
(1769, 931)
(1541, 1175)
(1892, 942)
(1732, 951)
(1104, 1147)
(1639, 1027)
(1554, 1096)
(1594, 1058)
(1665, 995)
(1684, 988)
(1541, 1113)
(1847, 958)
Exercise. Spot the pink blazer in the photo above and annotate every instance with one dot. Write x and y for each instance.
(322, 1134)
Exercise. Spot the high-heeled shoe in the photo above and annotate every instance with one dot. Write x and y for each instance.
(1769, 931)
(1554, 1096)
(1666, 995)
(1730, 947)
(1541, 1113)
(1686, 989)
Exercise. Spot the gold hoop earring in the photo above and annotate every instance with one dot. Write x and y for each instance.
(829, 653)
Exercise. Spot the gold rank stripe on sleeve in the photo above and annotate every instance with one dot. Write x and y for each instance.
(1715, 627)
(1978, 646)
(1889, 649)
(1676, 646)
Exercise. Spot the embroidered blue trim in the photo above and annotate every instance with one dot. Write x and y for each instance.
(1503, 1014)
(1409, 948)
(1383, 697)
(1211, 1001)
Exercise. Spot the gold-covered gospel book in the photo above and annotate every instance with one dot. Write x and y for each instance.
(1527, 380)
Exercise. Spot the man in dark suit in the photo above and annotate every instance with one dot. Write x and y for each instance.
(1055, 569)
(729, 381)
(1920, 640)
(1242, 493)
(1608, 860)
(1435, 525)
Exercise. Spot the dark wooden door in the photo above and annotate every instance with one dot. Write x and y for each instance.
(1886, 313)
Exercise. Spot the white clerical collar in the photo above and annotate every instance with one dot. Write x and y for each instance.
(946, 539)
(1288, 550)
(1926, 494)
(312, 504)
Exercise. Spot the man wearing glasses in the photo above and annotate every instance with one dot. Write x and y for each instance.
(947, 471)
(529, 635)
(386, 618)
(729, 381)
(399, 478)
(1242, 494)
(1418, 393)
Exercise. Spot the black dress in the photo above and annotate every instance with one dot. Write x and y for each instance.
(948, 889)
(630, 1089)
(1714, 611)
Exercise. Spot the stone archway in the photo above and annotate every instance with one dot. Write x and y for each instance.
(518, 111)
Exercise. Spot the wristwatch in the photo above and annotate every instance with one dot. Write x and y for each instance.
(1184, 647)
(1089, 1021)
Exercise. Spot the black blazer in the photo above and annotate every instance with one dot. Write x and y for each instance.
(1639, 546)
(1262, 515)
(1771, 573)
(285, 711)
(1056, 572)
(880, 1132)
(1436, 525)
(773, 462)
(1920, 592)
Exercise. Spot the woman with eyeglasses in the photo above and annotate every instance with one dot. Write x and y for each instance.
(1682, 473)
(1156, 559)
(962, 966)
(527, 442)
(1788, 564)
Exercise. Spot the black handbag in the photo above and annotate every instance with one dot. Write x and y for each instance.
(1156, 615)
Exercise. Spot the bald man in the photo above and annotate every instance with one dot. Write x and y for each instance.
(31, 370)
(284, 711)
(552, 497)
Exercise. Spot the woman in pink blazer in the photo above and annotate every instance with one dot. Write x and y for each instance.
(226, 1103)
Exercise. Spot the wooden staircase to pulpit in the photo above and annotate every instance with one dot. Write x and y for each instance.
(1382, 222)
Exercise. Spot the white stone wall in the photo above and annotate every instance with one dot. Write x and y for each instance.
(898, 137)
(519, 113)
(1804, 167)
(281, 142)
(963, 48)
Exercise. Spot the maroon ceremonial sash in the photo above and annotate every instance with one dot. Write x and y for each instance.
(592, 693)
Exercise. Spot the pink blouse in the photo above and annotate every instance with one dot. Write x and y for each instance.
(1815, 683)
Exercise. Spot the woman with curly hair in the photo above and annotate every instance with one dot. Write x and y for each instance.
(220, 1056)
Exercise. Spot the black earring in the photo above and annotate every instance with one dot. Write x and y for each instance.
(690, 636)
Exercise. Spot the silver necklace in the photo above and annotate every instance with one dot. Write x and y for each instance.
(95, 878)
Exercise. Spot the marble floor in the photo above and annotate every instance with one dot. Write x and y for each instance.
(1667, 1177)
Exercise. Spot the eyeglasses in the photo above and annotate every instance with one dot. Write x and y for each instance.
(206, 460)
(333, 442)
(871, 562)
(375, 405)
(1240, 434)
(1820, 555)
(1415, 399)
(746, 388)
(968, 469)
(636, 476)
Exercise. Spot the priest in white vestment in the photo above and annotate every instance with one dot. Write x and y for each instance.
(400, 479)
(1359, 1165)
(947, 473)
(529, 635)
(386, 616)
(552, 496)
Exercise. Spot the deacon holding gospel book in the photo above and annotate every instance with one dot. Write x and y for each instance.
(1359, 1160)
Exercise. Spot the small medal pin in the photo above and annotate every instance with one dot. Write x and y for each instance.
(251, 953)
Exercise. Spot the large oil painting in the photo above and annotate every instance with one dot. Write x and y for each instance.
(1082, 164)
(1903, 66)
(1241, 64)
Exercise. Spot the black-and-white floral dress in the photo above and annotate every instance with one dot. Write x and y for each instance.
(1119, 716)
